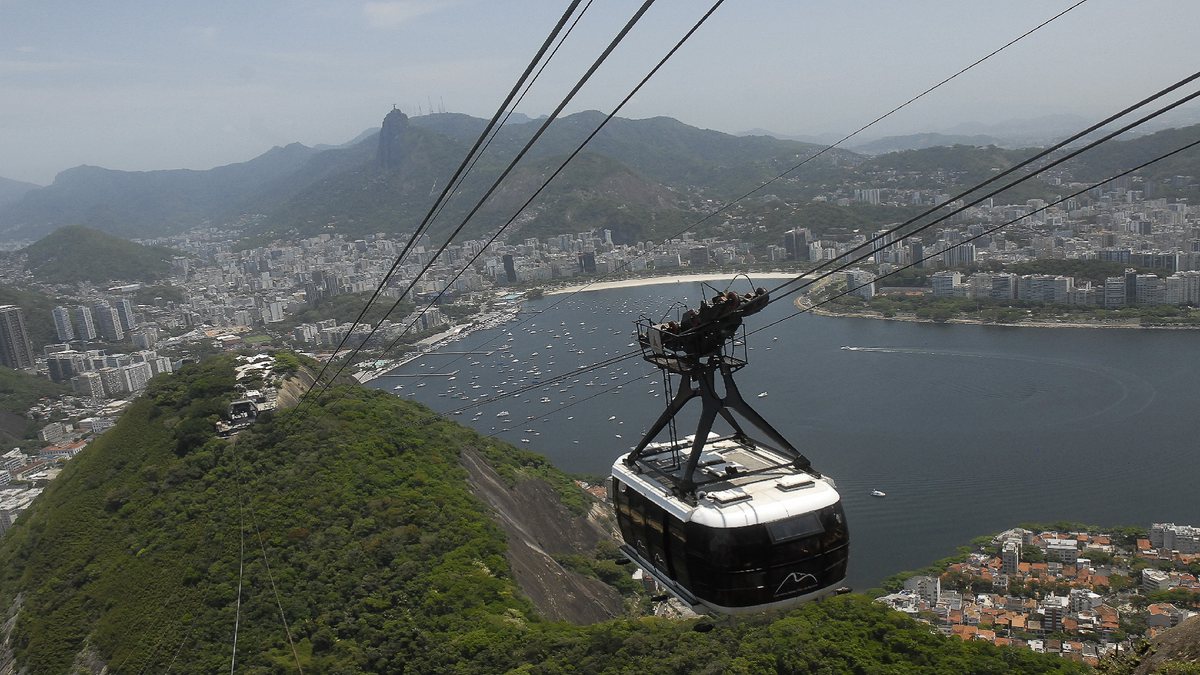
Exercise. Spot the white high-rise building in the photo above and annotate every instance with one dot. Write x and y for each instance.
(928, 588)
(861, 283)
(62, 324)
(85, 326)
(135, 376)
(88, 385)
(946, 284)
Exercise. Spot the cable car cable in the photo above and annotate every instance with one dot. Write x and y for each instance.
(846, 264)
(242, 503)
(962, 195)
(512, 109)
(237, 615)
(610, 389)
(724, 207)
(560, 168)
(645, 6)
(271, 579)
(504, 174)
(458, 172)
(545, 383)
(984, 233)
(991, 230)
(795, 167)
(631, 354)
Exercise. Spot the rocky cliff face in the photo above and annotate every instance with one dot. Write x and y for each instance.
(538, 527)
(391, 140)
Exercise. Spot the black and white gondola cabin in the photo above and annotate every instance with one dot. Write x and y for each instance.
(728, 524)
(749, 543)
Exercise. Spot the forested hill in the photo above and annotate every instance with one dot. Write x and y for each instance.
(356, 522)
(76, 253)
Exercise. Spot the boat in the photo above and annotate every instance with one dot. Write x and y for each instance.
(878, 493)
(762, 394)
(502, 413)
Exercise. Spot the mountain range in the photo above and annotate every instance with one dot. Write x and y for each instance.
(639, 178)
(643, 164)
(13, 190)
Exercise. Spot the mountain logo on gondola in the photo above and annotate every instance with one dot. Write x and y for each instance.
(796, 582)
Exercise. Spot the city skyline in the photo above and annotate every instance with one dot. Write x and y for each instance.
(184, 87)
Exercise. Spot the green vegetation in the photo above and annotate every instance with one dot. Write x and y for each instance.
(382, 558)
(36, 308)
(345, 309)
(896, 581)
(821, 218)
(1124, 535)
(1095, 271)
(602, 565)
(1013, 311)
(459, 311)
(19, 391)
(286, 363)
(149, 295)
(1180, 597)
(75, 253)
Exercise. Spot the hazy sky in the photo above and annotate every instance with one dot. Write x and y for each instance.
(148, 84)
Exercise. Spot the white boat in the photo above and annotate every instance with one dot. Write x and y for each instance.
(762, 394)
(502, 413)
(878, 493)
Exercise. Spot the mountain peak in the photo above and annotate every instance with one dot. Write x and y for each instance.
(394, 126)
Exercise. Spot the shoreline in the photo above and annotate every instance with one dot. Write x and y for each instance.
(666, 279)
(801, 303)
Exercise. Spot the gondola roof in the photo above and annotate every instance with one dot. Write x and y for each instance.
(741, 482)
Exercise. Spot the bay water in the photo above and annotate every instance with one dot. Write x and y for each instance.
(968, 429)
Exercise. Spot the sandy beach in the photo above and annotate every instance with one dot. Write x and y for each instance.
(672, 279)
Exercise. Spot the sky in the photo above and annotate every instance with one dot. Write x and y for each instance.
(147, 84)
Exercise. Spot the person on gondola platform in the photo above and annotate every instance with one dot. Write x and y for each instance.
(703, 331)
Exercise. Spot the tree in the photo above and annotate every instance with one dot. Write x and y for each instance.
(1097, 556)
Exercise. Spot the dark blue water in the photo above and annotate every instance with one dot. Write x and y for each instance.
(968, 429)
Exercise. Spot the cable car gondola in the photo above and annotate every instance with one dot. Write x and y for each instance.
(728, 524)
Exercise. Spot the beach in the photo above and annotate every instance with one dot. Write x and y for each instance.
(739, 284)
